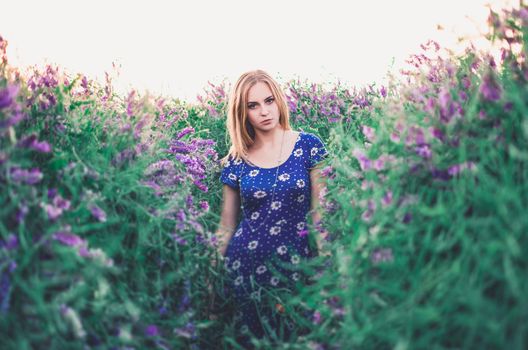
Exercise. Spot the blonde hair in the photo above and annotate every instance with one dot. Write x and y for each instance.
(240, 130)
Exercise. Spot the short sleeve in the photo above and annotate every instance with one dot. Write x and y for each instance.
(316, 151)
(230, 174)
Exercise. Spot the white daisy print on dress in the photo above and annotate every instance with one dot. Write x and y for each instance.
(259, 194)
(255, 215)
(282, 250)
(284, 177)
(261, 269)
(298, 152)
(232, 176)
(295, 259)
(238, 232)
(300, 183)
(253, 173)
(238, 161)
(276, 205)
(280, 222)
(255, 295)
(300, 199)
(244, 329)
(238, 280)
(314, 151)
(301, 225)
(252, 245)
(236, 264)
(295, 276)
(274, 281)
(275, 230)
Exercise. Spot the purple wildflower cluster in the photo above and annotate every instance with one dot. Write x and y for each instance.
(57, 206)
(67, 238)
(309, 103)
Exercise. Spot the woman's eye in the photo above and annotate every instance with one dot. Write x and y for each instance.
(271, 100)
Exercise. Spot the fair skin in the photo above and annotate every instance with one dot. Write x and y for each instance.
(264, 153)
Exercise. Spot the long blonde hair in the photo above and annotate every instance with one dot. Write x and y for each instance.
(240, 130)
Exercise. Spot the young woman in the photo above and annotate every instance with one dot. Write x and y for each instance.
(271, 178)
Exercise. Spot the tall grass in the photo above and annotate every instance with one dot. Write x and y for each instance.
(109, 204)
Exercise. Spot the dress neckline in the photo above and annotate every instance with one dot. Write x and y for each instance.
(275, 167)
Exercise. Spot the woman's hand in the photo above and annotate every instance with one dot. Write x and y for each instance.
(210, 289)
(322, 247)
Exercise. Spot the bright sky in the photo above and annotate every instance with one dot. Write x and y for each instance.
(175, 47)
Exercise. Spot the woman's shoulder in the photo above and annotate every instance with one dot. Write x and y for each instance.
(310, 138)
(229, 161)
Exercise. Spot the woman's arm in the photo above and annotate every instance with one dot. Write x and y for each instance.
(316, 208)
(229, 217)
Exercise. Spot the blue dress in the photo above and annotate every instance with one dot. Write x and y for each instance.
(271, 238)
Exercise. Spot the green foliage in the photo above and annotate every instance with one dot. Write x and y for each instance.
(109, 205)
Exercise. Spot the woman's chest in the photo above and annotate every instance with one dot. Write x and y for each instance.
(261, 184)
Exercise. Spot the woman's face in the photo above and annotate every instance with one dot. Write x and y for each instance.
(263, 110)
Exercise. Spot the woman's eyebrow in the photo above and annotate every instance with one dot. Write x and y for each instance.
(271, 96)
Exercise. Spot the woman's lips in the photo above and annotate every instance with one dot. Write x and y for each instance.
(266, 121)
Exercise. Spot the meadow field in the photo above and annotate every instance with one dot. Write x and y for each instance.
(109, 206)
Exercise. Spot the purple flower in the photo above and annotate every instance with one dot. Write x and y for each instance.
(17, 117)
(201, 186)
(52, 192)
(22, 212)
(152, 331)
(30, 177)
(43, 146)
(316, 318)
(437, 133)
(98, 213)
(184, 132)
(204, 205)
(364, 162)
(490, 89)
(7, 95)
(189, 201)
(466, 82)
(68, 238)
(523, 13)
(52, 211)
(31, 141)
(178, 239)
(387, 198)
(11, 242)
(383, 91)
(458, 168)
(381, 255)
(368, 132)
(61, 203)
(423, 151)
